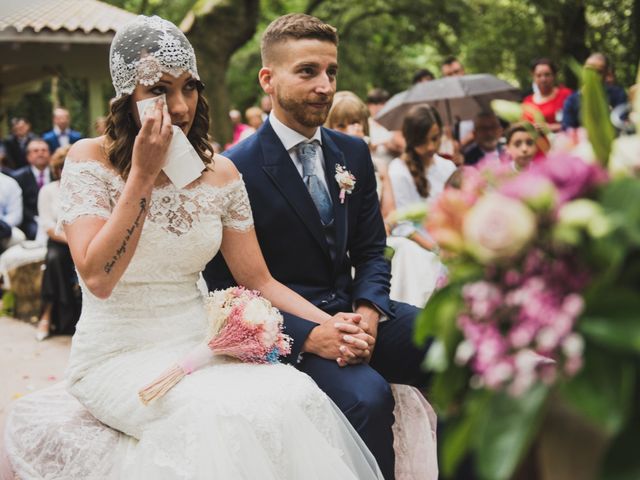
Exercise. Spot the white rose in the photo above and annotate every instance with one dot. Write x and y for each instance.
(256, 311)
(625, 157)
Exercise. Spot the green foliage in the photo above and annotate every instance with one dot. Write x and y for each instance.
(603, 391)
(506, 431)
(622, 461)
(595, 115)
(462, 432)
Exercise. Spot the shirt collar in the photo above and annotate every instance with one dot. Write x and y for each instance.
(289, 137)
(59, 132)
(36, 172)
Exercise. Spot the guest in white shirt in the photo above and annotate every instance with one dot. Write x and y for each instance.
(31, 179)
(10, 212)
(418, 176)
(60, 291)
(420, 173)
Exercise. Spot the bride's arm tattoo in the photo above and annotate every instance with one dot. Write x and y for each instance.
(123, 247)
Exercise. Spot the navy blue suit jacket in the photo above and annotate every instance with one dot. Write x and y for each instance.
(52, 139)
(290, 232)
(29, 185)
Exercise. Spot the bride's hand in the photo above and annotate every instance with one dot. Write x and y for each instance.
(151, 143)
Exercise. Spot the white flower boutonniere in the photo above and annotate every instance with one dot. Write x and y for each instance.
(346, 181)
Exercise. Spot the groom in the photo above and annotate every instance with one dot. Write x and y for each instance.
(311, 237)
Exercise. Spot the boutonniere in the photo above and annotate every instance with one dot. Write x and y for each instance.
(346, 181)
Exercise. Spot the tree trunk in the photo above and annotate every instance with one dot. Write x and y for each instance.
(565, 27)
(217, 29)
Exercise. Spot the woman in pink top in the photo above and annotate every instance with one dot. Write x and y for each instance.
(549, 98)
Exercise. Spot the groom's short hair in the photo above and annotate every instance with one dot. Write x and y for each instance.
(294, 26)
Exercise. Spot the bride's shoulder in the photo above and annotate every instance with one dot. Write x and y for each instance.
(88, 150)
(220, 172)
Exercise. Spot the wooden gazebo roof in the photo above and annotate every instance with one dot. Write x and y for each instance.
(62, 20)
(43, 38)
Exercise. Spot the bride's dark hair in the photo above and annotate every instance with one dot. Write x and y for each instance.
(122, 130)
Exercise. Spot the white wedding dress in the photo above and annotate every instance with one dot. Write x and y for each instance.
(228, 421)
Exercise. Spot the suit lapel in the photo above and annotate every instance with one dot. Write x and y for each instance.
(332, 157)
(278, 165)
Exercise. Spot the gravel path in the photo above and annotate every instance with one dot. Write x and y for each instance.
(25, 364)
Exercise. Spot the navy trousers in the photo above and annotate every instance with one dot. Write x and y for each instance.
(363, 393)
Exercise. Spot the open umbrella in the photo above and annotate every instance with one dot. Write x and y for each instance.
(459, 97)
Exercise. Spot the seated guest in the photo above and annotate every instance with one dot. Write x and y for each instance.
(615, 94)
(16, 144)
(521, 145)
(10, 212)
(420, 173)
(422, 75)
(487, 132)
(61, 135)
(254, 117)
(383, 143)
(350, 115)
(60, 290)
(548, 97)
(418, 176)
(31, 179)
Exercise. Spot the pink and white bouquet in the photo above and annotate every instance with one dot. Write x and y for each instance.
(539, 314)
(516, 313)
(242, 324)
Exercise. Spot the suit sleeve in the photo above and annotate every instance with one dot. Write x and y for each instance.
(366, 249)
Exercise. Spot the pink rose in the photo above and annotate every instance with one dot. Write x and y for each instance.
(534, 189)
(571, 175)
(498, 228)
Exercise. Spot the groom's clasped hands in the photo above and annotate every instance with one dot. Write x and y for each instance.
(345, 338)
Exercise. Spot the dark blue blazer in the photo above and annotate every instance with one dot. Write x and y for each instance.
(291, 235)
(52, 139)
(29, 185)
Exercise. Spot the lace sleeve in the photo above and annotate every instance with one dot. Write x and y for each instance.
(237, 212)
(84, 190)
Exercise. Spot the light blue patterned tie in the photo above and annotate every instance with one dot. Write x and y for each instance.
(307, 156)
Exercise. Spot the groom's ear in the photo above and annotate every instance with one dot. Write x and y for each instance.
(265, 77)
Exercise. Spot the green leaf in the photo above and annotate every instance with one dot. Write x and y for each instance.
(621, 333)
(620, 199)
(622, 461)
(507, 430)
(438, 318)
(595, 115)
(458, 435)
(603, 391)
(447, 388)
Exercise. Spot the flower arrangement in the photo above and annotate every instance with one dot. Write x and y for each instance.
(242, 324)
(346, 181)
(541, 301)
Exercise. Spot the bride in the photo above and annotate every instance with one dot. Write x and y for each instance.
(139, 244)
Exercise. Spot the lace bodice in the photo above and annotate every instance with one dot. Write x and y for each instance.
(182, 232)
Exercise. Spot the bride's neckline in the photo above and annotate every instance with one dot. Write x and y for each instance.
(167, 185)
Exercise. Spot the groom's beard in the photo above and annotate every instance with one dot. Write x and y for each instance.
(310, 113)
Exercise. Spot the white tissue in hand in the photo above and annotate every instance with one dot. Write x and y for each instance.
(182, 164)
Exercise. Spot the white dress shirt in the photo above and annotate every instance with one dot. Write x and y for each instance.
(290, 139)
(48, 208)
(10, 201)
(46, 175)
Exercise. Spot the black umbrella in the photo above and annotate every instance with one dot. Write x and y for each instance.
(459, 97)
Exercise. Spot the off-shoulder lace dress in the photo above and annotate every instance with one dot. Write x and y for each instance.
(228, 421)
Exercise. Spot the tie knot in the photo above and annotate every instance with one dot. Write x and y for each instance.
(307, 156)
